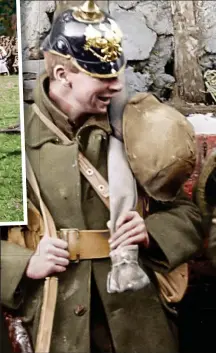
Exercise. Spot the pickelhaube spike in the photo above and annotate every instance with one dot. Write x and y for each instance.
(89, 12)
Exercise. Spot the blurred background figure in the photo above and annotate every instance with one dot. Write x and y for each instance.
(3, 59)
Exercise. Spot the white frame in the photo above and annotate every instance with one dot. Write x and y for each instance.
(24, 189)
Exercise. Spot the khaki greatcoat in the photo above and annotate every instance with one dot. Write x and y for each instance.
(137, 321)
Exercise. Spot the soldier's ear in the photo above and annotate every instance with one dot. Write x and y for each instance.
(59, 73)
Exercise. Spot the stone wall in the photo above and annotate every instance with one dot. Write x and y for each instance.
(148, 30)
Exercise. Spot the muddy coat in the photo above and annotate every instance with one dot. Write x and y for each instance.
(205, 197)
(136, 320)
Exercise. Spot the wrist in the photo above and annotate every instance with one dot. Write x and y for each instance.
(27, 272)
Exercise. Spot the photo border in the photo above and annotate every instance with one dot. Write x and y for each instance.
(21, 118)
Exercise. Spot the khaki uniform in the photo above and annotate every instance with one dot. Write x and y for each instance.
(136, 320)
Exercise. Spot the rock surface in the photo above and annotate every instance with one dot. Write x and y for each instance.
(148, 41)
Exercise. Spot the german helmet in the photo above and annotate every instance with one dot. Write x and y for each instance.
(90, 38)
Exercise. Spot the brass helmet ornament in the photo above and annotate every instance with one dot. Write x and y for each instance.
(90, 38)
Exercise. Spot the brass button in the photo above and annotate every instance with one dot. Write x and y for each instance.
(80, 310)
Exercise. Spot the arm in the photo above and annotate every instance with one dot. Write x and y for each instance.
(177, 234)
(14, 260)
(167, 238)
(20, 265)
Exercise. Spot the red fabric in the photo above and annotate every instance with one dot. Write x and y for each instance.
(205, 144)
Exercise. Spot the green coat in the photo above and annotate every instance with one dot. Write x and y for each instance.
(136, 320)
(205, 197)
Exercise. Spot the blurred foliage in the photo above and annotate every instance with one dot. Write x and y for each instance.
(7, 17)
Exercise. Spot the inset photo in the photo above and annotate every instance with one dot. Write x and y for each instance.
(13, 207)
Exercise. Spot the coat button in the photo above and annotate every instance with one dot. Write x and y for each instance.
(80, 310)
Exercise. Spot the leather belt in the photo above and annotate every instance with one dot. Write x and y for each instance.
(82, 244)
(86, 244)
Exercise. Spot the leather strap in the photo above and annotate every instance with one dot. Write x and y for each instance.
(95, 179)
(50, 125)
(49, 225)
(86, 244)
(51, 283)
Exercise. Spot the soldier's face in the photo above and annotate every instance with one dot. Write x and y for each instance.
(93, 95)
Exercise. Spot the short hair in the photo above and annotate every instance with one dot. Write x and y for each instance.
(52, 60)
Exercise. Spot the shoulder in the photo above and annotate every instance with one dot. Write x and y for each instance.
(140, 99)
(149, 111)
(146, 102)
(36, 133)
(137, 107)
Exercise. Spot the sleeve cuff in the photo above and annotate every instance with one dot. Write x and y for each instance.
(14, 261)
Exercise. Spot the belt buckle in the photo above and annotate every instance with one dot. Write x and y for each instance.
(77, 235)
(72, 236)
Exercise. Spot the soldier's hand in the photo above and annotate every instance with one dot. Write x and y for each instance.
(130, 229)
(50, 256)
